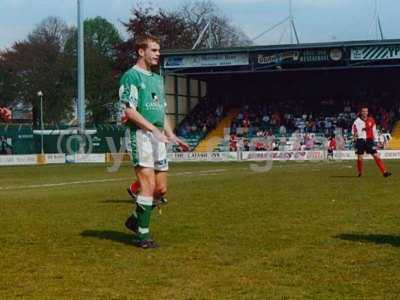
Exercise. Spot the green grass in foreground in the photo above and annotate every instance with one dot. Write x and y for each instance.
(302, 230)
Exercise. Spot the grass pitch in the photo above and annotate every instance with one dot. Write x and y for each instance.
(302, 230)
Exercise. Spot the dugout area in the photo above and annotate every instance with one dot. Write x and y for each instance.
(360, 71)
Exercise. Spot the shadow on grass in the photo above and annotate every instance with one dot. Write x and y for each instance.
(116, 236)
(118, 201)
(372, 238)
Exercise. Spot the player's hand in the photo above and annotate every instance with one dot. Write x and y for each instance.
(160, 136)
(124, 118)
(377, 145)
(5, 114)
(180, 143)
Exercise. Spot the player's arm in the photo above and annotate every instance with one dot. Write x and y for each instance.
(172, 137)
(132, 115)
(354, 131)
(375, 133)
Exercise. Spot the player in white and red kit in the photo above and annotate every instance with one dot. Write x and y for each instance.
(365, 135)
(331, 146)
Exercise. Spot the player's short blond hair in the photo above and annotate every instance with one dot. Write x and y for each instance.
(142, 42)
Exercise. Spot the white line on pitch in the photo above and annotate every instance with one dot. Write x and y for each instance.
(49, 185)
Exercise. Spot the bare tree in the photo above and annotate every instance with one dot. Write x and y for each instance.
(51, 30)
(222, 33)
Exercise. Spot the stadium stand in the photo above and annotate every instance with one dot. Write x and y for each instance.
(293, 125)
(394, 142)
(202, 120)
(212, 140)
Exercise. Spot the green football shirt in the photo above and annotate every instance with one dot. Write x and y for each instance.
(144, 91)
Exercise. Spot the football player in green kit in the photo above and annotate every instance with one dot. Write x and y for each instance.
(142, 96)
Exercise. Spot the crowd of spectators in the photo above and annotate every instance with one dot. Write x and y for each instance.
(289, 124)
(290, 116)
(297, 125)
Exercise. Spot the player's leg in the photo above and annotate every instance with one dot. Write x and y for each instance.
(132, 222)
(160, 189)
(137, 147)
(381, 166)
(144, 208)
(371, 149)
(360, 164)
(360, 150)
(161, 169)
(142, 159)
(330, 154)
(133, 189)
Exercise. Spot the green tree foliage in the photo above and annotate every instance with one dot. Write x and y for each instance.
(37, 64)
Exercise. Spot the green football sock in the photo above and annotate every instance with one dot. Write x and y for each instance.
(144, 209)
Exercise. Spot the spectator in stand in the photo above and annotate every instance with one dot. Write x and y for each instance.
(240, 116)
(246, 146)
(260, 146)
(239, 131)
(265, 121)
(205, 129)
(5, 148)
(240, 145)
(246, 114)
(219, 111)
(233, 143)
(282, 130)
(193, 128)
(182, 131)
(384, 139)
(308, 142)
(259, 133)
(233, 128)
(245, 125)
(5, 114)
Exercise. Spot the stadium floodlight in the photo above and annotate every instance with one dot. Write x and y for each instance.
(208, 30)
(40, 95)
(289, 20)
(376, 23)
(293, 30)
(200, 38)
(81, 69)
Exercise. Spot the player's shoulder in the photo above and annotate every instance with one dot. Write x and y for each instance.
(130, 74)
(371, 120)
(134, 73)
